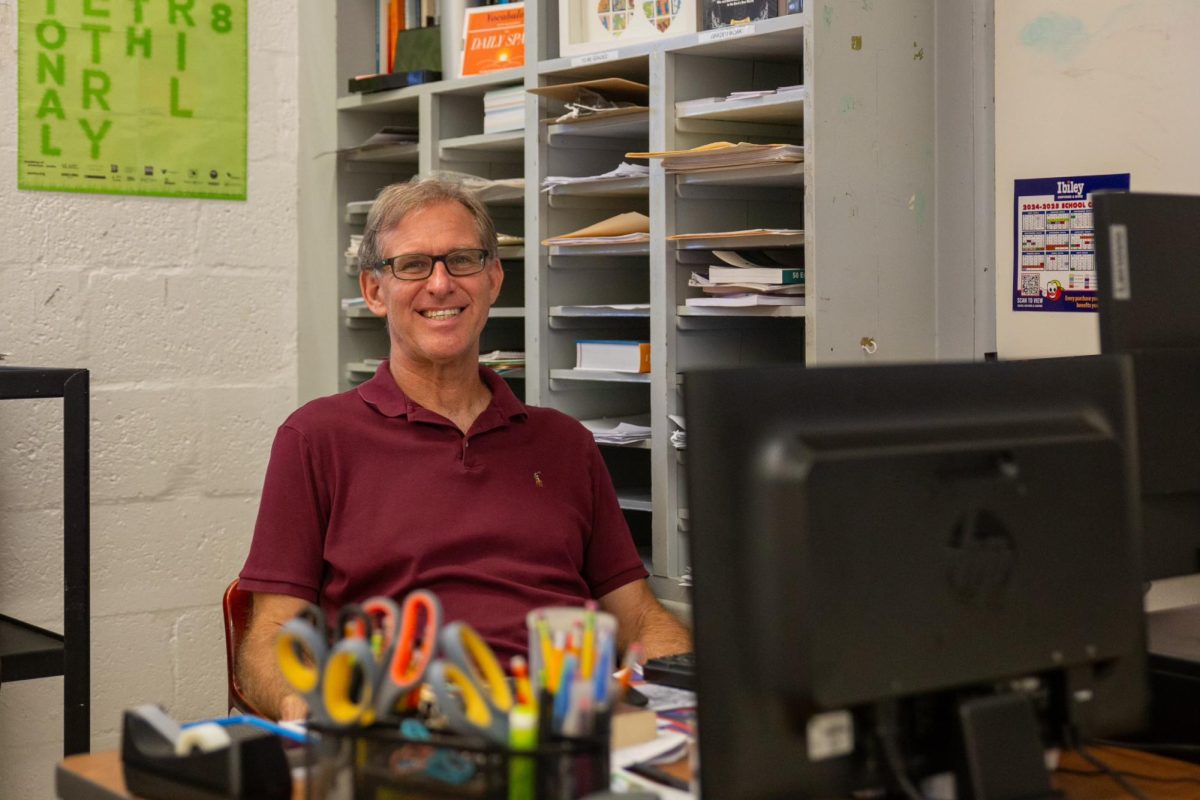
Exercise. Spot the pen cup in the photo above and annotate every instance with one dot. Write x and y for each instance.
(551, 629)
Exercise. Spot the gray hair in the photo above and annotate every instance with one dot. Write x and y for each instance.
(397, 201)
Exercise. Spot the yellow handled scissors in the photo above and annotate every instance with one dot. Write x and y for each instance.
(339, 682)
(380, 655)
(470, 685)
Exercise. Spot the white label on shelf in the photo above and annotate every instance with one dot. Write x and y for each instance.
(593, 58)
(721, 34)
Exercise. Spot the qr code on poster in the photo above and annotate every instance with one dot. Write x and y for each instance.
(1031, 285)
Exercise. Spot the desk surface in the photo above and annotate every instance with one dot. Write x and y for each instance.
(97, 776)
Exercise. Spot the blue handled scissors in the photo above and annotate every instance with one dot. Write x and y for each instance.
(379, 656)
(470, 685)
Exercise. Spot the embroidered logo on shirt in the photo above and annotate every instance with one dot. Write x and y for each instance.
(537, 478)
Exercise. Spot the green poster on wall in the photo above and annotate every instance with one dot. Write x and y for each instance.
(133, 97)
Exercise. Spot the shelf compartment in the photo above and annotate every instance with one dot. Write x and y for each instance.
(27, 651)
(506, 312)
(403, 153)
(574, 376)
(717, 183)
(569, 195)
(508, 146)
(569, 253)
(755, 312)
(635, 500)
(768, 241)
(404, 100)
(579, 312)
(601, 132)
(778, 109)
(643, 445)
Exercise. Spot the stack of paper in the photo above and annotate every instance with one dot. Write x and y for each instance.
(621, 229)
(504, 109)
(756, 238)
(619, 430)
(391, 143)
(752, 278)
(509, 240)
(351, 253)
(724, 155)
(503, 361)
(597, 99)
(678, 437)
(624, 170)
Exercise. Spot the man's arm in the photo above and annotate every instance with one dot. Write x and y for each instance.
(641, 618)
(257, 668)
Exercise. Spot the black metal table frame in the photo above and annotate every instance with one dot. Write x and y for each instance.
(67, 654)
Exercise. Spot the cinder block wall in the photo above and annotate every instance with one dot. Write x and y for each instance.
(185, 313)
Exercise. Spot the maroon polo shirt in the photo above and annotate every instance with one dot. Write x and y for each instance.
(368, 493)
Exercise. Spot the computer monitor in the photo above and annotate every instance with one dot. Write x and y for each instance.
(1148, 271)
(872, 548)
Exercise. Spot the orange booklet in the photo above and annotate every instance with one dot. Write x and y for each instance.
(493, 38)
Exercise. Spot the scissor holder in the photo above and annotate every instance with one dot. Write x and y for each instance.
(381, 763)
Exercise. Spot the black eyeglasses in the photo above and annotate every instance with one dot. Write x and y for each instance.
(418, 266)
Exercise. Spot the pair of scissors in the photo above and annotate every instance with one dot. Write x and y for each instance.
(378, 655)
(470, 685)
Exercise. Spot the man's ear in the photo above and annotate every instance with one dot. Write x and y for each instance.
(371, 285)
(497, 280)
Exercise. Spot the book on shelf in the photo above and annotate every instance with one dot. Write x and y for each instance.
(493, 38)
(775, 275)
(504, 109)
(749, 299)
(612, 355)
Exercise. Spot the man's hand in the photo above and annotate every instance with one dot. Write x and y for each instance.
(641, 618)
(292, 708)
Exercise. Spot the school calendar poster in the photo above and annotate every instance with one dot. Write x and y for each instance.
(133, 97)
(1054, 248)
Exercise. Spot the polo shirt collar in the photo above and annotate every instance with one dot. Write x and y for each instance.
(384, 395)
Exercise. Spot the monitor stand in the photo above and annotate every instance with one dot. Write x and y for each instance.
(1003, 749)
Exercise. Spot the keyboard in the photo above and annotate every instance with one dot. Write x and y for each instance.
(677, 670)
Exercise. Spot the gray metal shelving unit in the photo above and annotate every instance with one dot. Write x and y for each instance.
(28, 651)
(864, 196)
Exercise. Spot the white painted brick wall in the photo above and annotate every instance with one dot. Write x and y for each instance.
(185, 312)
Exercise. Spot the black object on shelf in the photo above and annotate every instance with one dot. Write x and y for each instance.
(392, 80)
(27, 651)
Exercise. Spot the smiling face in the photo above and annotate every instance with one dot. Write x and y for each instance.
(435, 322)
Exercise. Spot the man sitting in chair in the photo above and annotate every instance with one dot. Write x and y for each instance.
(433, 474)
